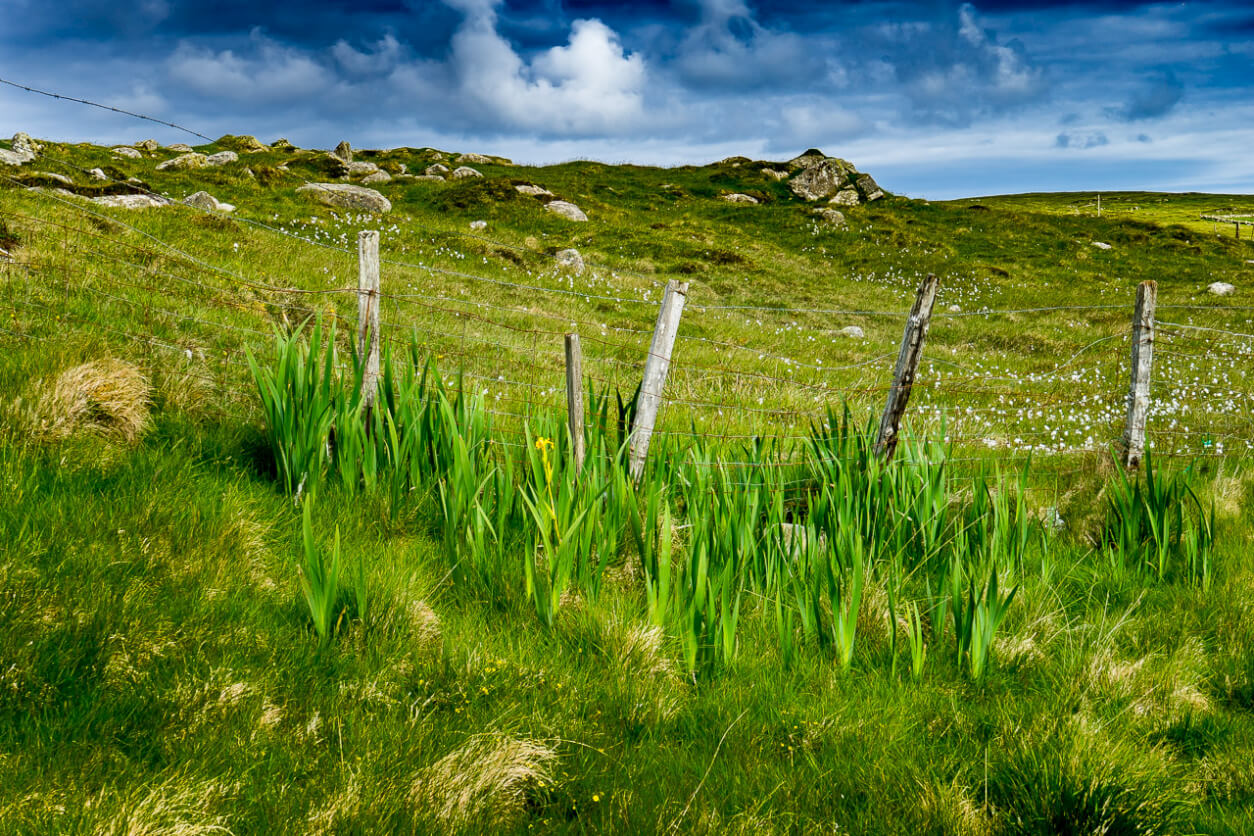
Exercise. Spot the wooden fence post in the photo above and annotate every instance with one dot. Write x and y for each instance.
(656, 367)
(574, 397)
(907, 364)
(368, 287)
(1142, 365)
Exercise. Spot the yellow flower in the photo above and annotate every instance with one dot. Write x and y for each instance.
(596, 796)
(543, 444)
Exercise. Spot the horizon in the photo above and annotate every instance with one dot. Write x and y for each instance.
(936, 100)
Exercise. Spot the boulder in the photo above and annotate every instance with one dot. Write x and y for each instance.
(379, 176)
(221, 158)
(482, 159)
(1101, 245)
(345, 196)
(737, 197)
(463, 172)
(810, 158)
(13, 158)
(955, 309)
(775, 173)
(249, 144)
(148, 145)
(129, 153)
(131, 201)
(846, 197)
(184, 162)
(868, 187)
(822, 179)
(425, 177)
(534, 191)
(478, 225)
(570, 260)
(97, 174)
(204, 200)
(835, 217)
(437, 170)
(180, 147)
(343, 151)
(1221, 289)
(361, 169)
(58, 178)
(853, 331)
(282, 145)
(567, 210)
(23, 144)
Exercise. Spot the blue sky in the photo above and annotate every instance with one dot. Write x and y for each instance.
(937, 99)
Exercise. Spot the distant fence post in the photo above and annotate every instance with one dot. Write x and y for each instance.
(368, 286)
(574, 397)
(656, 367)
(907, 365)
(1142, 365)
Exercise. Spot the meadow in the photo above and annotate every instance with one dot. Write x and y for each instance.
(232, 599)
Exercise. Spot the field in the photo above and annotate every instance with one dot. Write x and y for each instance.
(996, 634)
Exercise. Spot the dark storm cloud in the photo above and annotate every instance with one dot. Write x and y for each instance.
(1157, 98)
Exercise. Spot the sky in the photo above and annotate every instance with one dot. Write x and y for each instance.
(936, 99)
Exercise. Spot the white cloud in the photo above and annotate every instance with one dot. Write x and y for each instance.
(269, 72)
(383, 58)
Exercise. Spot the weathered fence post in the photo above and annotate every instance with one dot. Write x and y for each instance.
(368, 312)
(574, 397)
(907, 364)
(1142, 365)
(656, 367)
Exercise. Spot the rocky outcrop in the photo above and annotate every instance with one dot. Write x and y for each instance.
(482, 159)
(533, 190)
(822, 179)
(868, 188)
(812, 157)
(846, 197)
(345, 196)
(282, 145)
(24, 150)
(464, 172)
(361, 169)
(737, 197)
(379, 176)
(204, 200)
(131, 201)
(775, 173)
(567, 210)
(437, 170)
(148, 145)
(343, 151)
(221, 158)
(184, 162)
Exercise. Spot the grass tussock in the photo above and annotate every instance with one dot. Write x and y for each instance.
(486, 783)
(107, 397)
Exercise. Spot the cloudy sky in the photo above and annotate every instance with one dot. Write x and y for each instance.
(936, 98)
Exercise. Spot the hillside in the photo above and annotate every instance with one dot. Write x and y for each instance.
(165, 665)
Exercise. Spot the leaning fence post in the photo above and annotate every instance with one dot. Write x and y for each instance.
(368, 313)
(574, 397)
(1142, 365)
(907, 364)
(656, 365)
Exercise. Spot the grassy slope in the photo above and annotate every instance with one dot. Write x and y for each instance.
(155, 666)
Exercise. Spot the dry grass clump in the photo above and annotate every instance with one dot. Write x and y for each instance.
(425, 625)
(485, 783)
(108, 397)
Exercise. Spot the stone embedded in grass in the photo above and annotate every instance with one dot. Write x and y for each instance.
(59, 178)
(482, 159)
(361, 169)
(846, 197)
(379, 176)
(533, 190)
(464, 172)
(24, 150)
(1101, 245)
(739, 197)
(570, 259)
(221, 158)
(427, 177)
(567, 210)
(345, 196)
(204, 200)
(184, 163)
(1221, 289)
(437, 170)
(130, 201)
(180, 147)
(129, 153)
(148, 145)
(835, 217)
(853, 331)
(478, 225)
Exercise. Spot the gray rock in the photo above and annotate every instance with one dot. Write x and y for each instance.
(853, 331)
(463, 172)
(12, 158)
(180, 147)
(379, 176)
(129, 153)
(97, 174)
(534, 191)
(221, 158)
(482, 159)
(955, 309)
(1101, 245)
(567, 210)
(249, 144)
(361, 169)
(184, 163)
(775, 173)
(478, 225)
(131, 201)
(810, 158)
(1053, 520)
(148, 145)
(23, 144)
(404, 168)
(437, 170)
(570, 260)
(1221, 289)
(846, 197)
(59, 178)
(737, 197)
(428, 177)
(835, 217)
(869, 188)
(345, 196)
(821, 180)
(283, 145)
(204, 200)
(343, 151)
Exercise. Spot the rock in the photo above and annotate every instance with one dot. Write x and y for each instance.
(180, 147)
(534, 191)
(343, 151)
(835, 217)
(282, 145)
(478, 225)
(184, 163)
(567, 210)
(248, 144)
(1053, 520)
(570, 260)
(129, 153)
(23, 144)
(131, 201)
(482, 159)
(810, 158)
(955, 309)
(775, 173)
(134, 181)
(221, 158)
(822, 179)
(59, 178)
(148, 145)
(1101, 245)
(97, 174)
(437, 170)
(404, 168)
(425, 177)
(204, 200)
(361, 169)
(741, 198)
(378, 177)
(462, 172)
(12, 158)
(734, 162)
(345, 196)
(846, 197)
(868, 187)
(853, 331)
(1221, 289)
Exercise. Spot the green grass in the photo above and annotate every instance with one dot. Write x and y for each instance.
(160, 670)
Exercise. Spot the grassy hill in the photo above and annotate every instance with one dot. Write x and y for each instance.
(160, 670)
